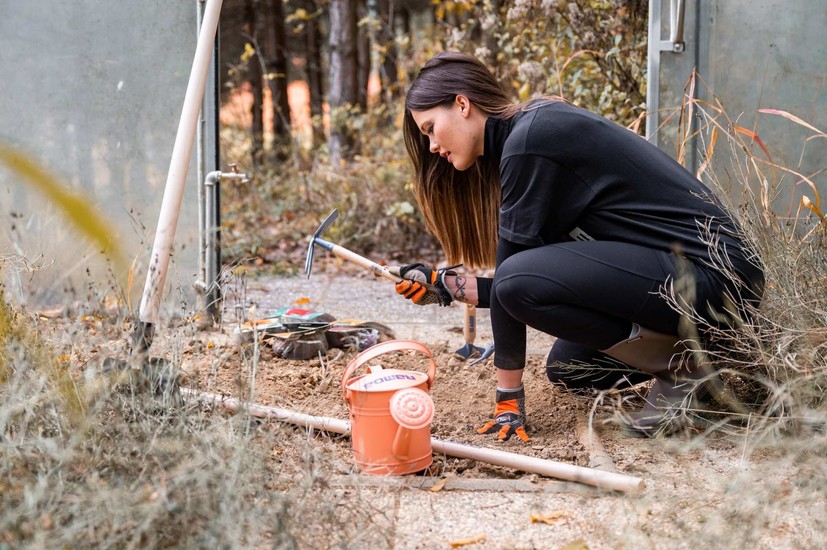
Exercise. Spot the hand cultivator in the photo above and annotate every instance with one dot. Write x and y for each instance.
(343, 253)
(469, 331)
(468, 351)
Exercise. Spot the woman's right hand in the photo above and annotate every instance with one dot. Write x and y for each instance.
(421, 285)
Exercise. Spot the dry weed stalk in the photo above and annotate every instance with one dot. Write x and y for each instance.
(775, 357)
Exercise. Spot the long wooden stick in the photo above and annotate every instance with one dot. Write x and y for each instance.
(178, 166)
(597, 478)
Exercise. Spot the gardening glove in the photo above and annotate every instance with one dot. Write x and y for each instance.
(509, 415)
(423, 285)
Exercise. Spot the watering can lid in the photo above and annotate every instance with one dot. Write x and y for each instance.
(387, 380)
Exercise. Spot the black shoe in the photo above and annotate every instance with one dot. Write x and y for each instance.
(655, 423)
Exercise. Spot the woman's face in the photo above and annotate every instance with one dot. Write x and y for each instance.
(456, 132)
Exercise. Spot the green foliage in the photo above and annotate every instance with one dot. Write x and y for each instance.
(377, 217)
(591, 52)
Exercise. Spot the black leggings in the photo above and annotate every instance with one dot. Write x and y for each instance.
(578, 368)
(589, 293)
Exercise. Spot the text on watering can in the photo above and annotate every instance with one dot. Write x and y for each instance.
(388, 378)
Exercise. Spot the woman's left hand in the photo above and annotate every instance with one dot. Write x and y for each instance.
(509, 416)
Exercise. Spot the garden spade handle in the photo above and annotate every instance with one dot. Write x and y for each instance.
(177, 175)
(469, 330)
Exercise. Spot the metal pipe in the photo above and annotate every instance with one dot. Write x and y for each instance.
(210, 253)
(211, 286)
(597, 478)
(676, 19)
(675, 44)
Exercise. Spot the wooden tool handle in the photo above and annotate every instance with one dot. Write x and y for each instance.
(470, 328)
(379, 270)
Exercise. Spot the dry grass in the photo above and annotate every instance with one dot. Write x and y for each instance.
(777, 355)
(774, 360)
(90, 460)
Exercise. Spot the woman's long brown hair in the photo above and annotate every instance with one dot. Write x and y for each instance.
(460, 208)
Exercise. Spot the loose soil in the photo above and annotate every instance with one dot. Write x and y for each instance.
(463, 396)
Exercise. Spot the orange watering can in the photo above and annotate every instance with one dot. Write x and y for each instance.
(390, 412)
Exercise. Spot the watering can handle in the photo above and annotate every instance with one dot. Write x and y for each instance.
(384, 347)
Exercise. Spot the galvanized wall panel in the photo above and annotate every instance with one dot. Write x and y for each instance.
(751, 55)
(94, 89)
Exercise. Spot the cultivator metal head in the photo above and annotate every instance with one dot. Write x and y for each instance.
(308, 263)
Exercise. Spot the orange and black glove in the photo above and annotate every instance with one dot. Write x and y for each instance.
(423, 285)
(509, 415)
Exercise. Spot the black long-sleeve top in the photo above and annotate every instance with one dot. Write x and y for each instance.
(567, 174)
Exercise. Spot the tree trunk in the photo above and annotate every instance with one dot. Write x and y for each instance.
(353, 50)
(343, 81)
(313, 39)
(363, 66)
(277, 79)
(406, 21)
(387, 48)
(254, 78)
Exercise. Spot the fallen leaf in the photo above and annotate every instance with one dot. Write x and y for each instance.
(302, 300)
(439, 485)
(466, 542)
(577, 544)
(551, 518)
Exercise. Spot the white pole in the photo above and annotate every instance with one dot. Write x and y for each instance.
(177, 175)
(597, 478)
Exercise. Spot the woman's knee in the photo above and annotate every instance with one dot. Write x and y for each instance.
(579, 368)
(511, 285)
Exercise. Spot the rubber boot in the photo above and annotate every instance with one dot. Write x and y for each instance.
(660, 355)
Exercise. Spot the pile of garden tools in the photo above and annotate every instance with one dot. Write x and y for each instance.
(296, 333)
